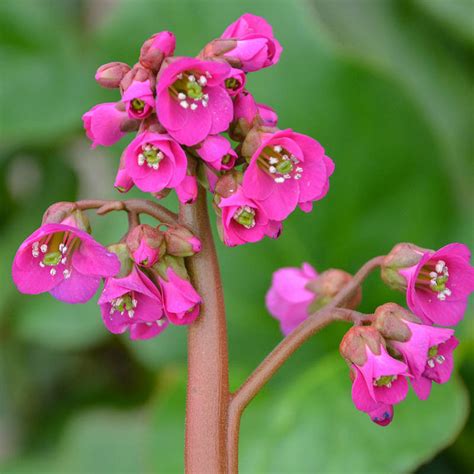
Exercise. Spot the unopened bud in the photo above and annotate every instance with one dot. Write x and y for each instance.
(126, 263)
(355, 342)
(169, 261)
(180, 242)
(245, 111)
(228, 183)
(146, 245)
(328, 284)
(401, 257)
(123, 181)
(156, 48)
(137, 73)
(217, 48)
(109, 75)
(66, 213)
(390, 322)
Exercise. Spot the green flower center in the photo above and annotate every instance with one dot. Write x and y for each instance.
(385, 381)
(280, 164)
(194, 90)
(232, 83)
(245, 216)
(188, 89)
(138, 105)
(125, 303)
(52, 258)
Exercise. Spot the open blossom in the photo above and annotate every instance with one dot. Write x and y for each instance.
(235, 81)
(438, 368)
(287, 169)
(244, 221)
(104, 123)
(182, 303)
(64, 261)
(139, 99)
(438, 286)
(254, 47)
(192, 101)
(217, 151)
(288, 299)
(134, 303)
(155, 161)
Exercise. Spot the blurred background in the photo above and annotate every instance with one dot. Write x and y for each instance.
(385, 86)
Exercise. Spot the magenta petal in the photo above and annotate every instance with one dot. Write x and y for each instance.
(382, 415)
(422, 387)
(360, 394)
(78, 288)
(221, 109)
(393, 395)
(91, 258)
(147, 331)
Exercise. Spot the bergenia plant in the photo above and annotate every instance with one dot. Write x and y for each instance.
(199, 130)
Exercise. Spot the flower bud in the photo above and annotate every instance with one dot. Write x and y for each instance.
(137, 73)
(66, 213)
(126, 263)
(123, 181)
(175, 263)
(245, 111)
(268, 116)
(187, 190)
(235, 83)
(156, 48)
(402, 256)
(328, 285)
(390, 322)
(228, 184)
(180, 242)
(146, 245)
(109, 75)
(354, 344)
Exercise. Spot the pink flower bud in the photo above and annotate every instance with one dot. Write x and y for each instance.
(328, 285)
(67, 214)
(187, 190)
(156, 48)
(180, 242)
(268, 116)
(109, 75)
(288, 298)
(227, 184)
(217, 152)
(146, 245)
(123, 181)
(245, 112)
(105, 124)
(137, 74)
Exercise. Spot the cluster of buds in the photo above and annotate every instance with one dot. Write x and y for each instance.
(394, 345)
(180, 108)
(146, 285)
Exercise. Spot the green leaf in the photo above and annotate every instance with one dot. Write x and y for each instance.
(312, 426)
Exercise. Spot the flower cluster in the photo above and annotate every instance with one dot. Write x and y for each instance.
(395, 345)
(146, 285)
(195, 120)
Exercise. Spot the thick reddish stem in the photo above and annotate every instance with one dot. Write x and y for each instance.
(208, 385)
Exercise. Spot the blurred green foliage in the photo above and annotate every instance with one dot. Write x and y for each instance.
(384, 85)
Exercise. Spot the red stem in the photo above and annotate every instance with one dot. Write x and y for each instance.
(208, 385)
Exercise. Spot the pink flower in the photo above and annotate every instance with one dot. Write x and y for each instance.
(380, 380)
(181, 301)
(192, 101)
(288, 299)
(268, 115)
(139, 100)
(63, 260)
(245, 109)
(103, 123)
(287, 169)
(439, 285)
(235, 82)
(187, 190)
(217, 151)
(255, 46)
(243, 220)
(155, 161)
(133, 303)
(438, 368)
(423, 339)
(146, 245)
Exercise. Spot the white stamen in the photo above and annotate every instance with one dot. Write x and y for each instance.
(131, 313)
(441, 296)
(191, 78)
(112, 310)
(44, 248)
(299, 169)
(208, 74)
(35, 245)
(194, 106)
(277, 148)
(287, 176)
(182, 96)
(440, 359)
(279, 180)
(35, 253)
(41, 264)
(205, 97)
(180, 75)
(160, 322)
(149, 324)
(297, 176)
(285, 157)
(63, 260)
(134, 303)
(184, 104)
(141, 159)
(440, 266)
(202, 80)
(272, 169)
(66, 273)
(52, 272)
(155, 166)
(447, 292)
(272, 160)
(431, 363)
(433, 275)
(204, 103)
